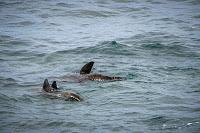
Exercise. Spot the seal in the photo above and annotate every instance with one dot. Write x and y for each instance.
(86, 69)
(85, 74)
(53, 91)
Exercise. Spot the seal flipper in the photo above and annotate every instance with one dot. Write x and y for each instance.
(54, 85)
(86, 69)
(46, 85)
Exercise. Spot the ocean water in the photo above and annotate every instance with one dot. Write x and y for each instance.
(154, 44)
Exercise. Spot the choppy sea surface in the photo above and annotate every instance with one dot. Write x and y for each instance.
(154, 44)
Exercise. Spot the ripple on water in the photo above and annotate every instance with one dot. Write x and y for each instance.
(21, 24)
(61, 4)
(107, 47)
(7, 81)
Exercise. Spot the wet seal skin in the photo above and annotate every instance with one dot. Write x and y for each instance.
(53, 91)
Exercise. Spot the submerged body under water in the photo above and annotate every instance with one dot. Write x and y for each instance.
(153, 44)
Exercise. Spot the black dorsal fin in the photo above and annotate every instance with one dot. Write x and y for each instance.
(46, 84)
(86, 69)
(54, 85)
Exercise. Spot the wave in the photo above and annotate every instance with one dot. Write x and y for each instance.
(107, 47)
(195, 2)
(17, 48)
(196, 16)
(168, 123)
(21, 23)
(91, 13)
(7, 81)
(159, 43)
(20, 55)
(173, 49)
(148, 45)
(9, 3)
(157, 120)
(4, 98)
(61, 4)
(13, 43)
(191, 71)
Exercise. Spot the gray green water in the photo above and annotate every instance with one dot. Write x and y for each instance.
(154, 44)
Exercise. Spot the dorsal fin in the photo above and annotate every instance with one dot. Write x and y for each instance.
(54, 85)
(86, 69)
(46, 84)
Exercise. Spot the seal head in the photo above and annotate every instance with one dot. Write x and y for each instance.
(53, 91)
